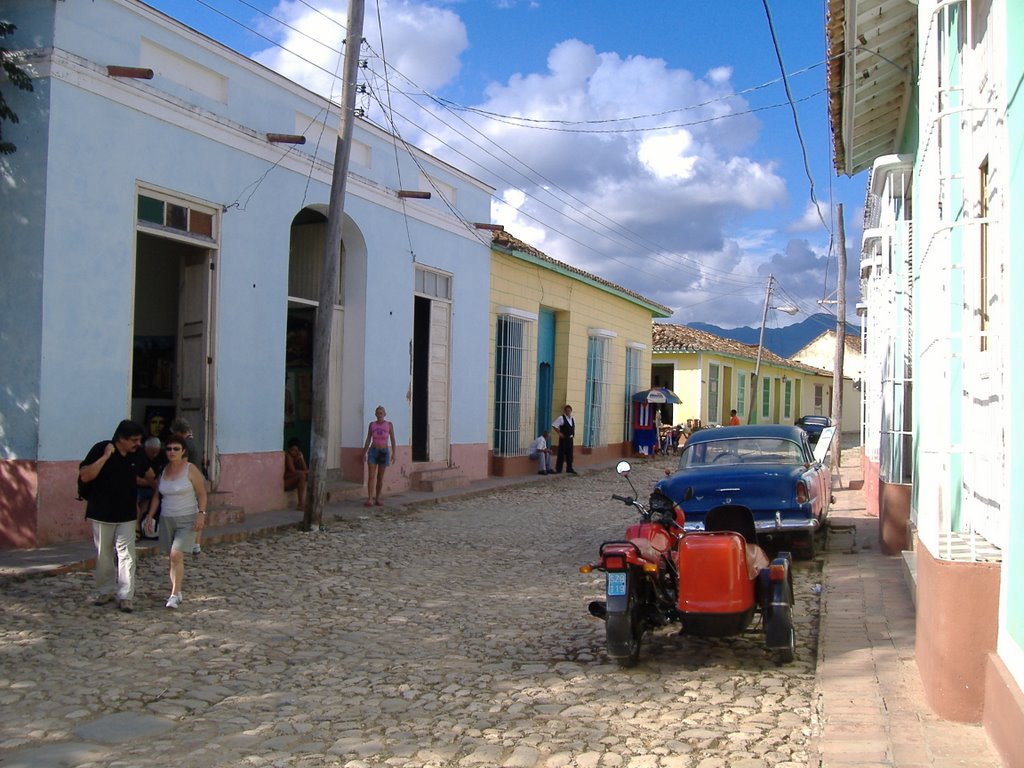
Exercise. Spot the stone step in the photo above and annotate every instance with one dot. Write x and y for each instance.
(224, 514)
(434, 480)
(345, 490)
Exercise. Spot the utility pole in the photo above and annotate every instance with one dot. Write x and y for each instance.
(760, 347)
(313, 514)
(837, 374)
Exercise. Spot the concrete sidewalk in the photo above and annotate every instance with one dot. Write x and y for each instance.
(871, 708)
(871, 703)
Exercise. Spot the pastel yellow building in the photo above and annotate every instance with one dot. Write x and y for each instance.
(713, 376)
(561, 336)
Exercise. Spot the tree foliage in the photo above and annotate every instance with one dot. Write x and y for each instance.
(18, 77)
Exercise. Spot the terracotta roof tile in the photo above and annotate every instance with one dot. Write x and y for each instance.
(668, 338)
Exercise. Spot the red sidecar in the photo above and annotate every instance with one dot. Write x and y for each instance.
(712, 582)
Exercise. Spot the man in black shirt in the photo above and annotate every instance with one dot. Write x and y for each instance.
(566, 426)
(110, 469)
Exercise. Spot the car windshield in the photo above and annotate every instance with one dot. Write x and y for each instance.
(746, 450)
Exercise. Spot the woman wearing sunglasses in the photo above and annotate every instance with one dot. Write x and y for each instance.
(181, 498)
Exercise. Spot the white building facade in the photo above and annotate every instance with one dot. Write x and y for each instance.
(926, 94)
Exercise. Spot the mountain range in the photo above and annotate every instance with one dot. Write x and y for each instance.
(784, 342)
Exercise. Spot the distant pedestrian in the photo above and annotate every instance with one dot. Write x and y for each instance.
(734, 420)
(109, 471)
(181, 497)
(566, 426)
(378, 433)
(540, 453)
(296, 472)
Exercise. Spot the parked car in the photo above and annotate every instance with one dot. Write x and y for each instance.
(813, 425)
(769, 468)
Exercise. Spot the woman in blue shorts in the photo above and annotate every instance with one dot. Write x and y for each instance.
(378, 456)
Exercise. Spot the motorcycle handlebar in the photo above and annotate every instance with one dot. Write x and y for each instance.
(623, 499)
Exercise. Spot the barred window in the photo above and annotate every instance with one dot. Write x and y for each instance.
(713, 374)
(599, 348)
(741, 395)
(633, 357)
(513, 393)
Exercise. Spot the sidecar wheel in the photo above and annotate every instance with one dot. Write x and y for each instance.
(780, 635)
(805, 546)
(785, 656)
(623, 632)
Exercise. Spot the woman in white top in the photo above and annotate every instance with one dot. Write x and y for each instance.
(181, 498)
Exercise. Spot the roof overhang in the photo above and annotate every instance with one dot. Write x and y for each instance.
(872, 53)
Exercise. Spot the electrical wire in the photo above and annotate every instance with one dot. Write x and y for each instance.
(701, 269)
(796, 119)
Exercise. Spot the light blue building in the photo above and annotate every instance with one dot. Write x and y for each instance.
(927, 95)
(161, 236)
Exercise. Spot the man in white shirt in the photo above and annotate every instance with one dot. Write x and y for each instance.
(542, 454)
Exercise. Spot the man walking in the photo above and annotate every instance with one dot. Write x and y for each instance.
(566, 427)
(109, 471)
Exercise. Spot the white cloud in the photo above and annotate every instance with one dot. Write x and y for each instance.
(814, 213)
(656, 203)
(666, 157)
(309, 47)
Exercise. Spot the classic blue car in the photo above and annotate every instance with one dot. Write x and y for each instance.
(767, 468)
(813, 425)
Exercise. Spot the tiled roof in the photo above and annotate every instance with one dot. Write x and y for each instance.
(852, 341)
(668, 338)
(505, 241)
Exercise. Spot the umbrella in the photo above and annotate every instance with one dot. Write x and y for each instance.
(657, 395)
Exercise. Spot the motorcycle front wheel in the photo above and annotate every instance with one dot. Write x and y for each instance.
(623, 630)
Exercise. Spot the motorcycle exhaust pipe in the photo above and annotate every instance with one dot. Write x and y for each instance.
(598, 608)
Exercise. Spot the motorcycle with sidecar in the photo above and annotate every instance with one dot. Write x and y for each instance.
(712, 582)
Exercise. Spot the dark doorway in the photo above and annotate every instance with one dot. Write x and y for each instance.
(420, 379)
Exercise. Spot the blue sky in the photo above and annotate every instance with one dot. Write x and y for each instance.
(651, 143)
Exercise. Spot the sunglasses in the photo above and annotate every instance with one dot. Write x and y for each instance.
(173, 448)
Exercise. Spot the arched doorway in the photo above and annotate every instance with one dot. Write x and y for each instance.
(305, 265)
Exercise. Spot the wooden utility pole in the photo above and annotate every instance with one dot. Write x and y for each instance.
(837, 374)
(313, 514)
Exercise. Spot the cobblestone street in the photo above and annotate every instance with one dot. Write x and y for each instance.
(453, 634)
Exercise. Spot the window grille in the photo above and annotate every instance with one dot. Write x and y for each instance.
(632, 387)
(713, 373)
(513, 391)
(766, 404)
(741, 395)
(598, 367)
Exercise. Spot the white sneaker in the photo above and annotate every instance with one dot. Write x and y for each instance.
(173, 601)
(197, 549)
